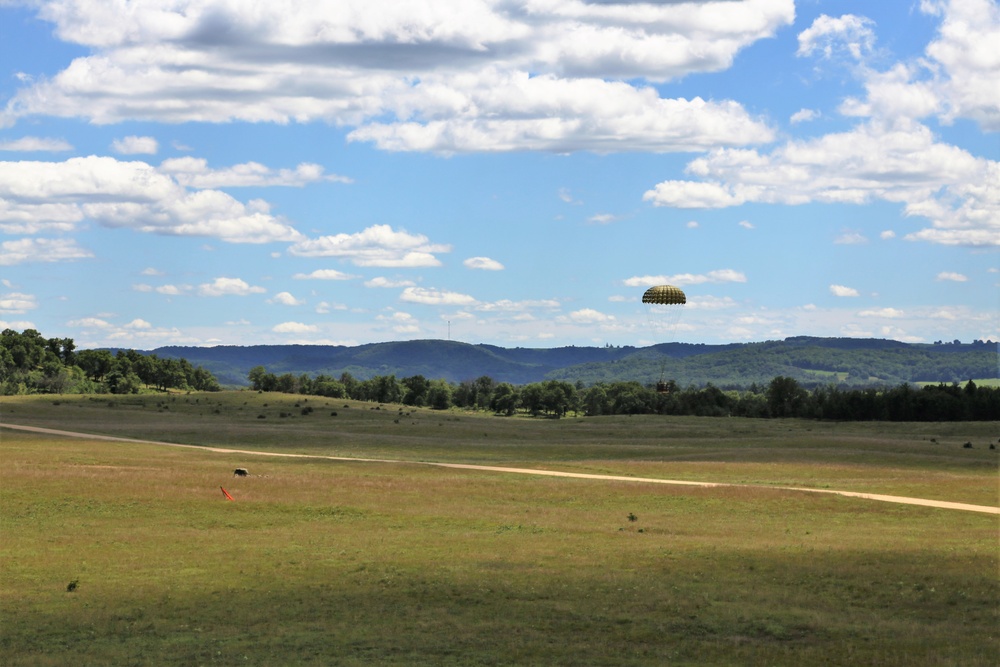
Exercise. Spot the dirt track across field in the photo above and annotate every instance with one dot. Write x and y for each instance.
(525, 471)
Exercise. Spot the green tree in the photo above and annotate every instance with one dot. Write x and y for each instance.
(261, 380)
(505, 399)
(439, 395)
(785, 397)
(485, 385)
(415, 390)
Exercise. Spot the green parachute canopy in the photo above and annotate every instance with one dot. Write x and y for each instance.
(664, 295)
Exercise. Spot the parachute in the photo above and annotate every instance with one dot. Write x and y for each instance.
(665, 295)
(663, 310)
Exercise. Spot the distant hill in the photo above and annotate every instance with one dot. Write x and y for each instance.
(811, 361)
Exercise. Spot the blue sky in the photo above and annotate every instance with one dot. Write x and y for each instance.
(512, 172)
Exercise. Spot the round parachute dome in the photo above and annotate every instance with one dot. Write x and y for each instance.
(666, 295)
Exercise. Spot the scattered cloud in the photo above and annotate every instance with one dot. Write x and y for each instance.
(228, 287)
(682, 279)
(379, 245)
(295, 328)
(710, 303)
(887, 234)
(589, 316)
(41, 250)
(381, 281)
(851, 238)
(195, 173)
(566, 196)
(90, 323)
(832, 36)
(433, 297)
(36, 144)
(16, 303)
(285, 299)
(57, 196)
(952, 276)
(882, 312)
(402, 323)
(134, 145)
(483, 263)
(324, 274)
(324, 307)
(803, 116)
(891, 155)
(603, 218)
(899, 163)
(841, 290)
(455, 77)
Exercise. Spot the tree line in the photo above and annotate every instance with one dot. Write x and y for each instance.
(31, 364)
(781, 397)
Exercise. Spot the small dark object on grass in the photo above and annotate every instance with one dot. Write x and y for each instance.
(241, 472)
(992, 446)
(71, 586)
(967, 445)
(632, 517)
(333, 414)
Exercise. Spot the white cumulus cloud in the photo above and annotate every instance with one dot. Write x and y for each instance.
(195, 173)
(383, 282)
(324, 274)
(285, 299)
(682, 279)
(434, 297)
(134, 145)
(38, 196)
(830, 35)
(483, 263)
(841, 290)
(448, 76)
(41, 250)
(229, 287)
(36, 144)
(15, 303)
(898, 162)
(378, 245)
(294, 327)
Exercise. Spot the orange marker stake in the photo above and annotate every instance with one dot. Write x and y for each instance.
(226, 494)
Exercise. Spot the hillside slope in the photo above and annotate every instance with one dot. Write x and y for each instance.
(812, 361)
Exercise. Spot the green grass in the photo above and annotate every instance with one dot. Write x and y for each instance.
(322, 562)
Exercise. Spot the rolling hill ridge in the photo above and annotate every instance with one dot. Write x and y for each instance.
(810, 360)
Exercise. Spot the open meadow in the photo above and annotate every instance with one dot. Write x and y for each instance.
(118, 553)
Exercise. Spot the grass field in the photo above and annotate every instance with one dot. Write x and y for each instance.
(322, 562)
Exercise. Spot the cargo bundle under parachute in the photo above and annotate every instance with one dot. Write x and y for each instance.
(663, 310)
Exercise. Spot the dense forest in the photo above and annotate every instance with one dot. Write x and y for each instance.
(30, 363)
(781, 397)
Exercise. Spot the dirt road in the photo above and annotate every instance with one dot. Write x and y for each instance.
(941, 504)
